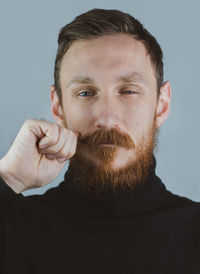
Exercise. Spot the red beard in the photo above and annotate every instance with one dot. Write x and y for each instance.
(98, 177)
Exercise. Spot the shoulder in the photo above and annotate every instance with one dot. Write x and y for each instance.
(180, 207)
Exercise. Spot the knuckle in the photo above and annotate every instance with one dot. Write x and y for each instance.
(70, 138)
(31, 123)
(75, 142)
(74, 150)
(54, 126)
(54, 133)
(70, 154)
(65, 132)
(55, 148)
(71, 134)
(28, 121)
(64, 153)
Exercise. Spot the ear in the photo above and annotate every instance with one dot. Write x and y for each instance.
(163, 105)
(56, 107)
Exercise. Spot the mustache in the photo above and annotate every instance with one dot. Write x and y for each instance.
(112, 136)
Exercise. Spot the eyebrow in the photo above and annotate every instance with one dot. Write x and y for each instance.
(128, 78)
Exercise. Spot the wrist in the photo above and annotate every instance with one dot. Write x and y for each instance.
(9, 178)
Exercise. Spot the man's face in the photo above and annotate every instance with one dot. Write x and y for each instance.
(110, 95)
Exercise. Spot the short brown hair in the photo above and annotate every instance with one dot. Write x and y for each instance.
(99, 22)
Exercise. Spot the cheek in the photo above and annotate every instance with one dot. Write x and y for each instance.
(139, 122)
(77, 118)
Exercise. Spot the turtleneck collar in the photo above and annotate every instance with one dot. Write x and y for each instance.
(145, 197)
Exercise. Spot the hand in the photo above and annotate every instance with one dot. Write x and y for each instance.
(37, 155)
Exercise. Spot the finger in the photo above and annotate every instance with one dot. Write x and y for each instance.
(60, 160)
(67, 150)
(63, 136)
(50, 156)
(52, 136)
(47, 133)
(74, 145)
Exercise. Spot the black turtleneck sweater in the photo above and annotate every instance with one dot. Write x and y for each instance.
(64, 231)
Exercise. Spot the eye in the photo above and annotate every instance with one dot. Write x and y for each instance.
(128, 92)
(86, 92)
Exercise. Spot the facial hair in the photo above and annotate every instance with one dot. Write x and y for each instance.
(99, 177)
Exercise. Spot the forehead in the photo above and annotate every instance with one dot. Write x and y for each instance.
(107, 56)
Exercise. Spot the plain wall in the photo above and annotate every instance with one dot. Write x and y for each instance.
(29, 31)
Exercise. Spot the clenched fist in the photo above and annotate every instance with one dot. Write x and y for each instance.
(37, 155)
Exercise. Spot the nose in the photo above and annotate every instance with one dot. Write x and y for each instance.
(107, 113)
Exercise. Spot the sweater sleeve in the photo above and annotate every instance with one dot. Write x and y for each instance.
(7, 199)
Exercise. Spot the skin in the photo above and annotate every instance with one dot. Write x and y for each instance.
(131, 109)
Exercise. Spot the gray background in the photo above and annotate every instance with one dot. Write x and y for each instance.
(28, 33)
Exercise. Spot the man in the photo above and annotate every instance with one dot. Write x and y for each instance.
(111, 214)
